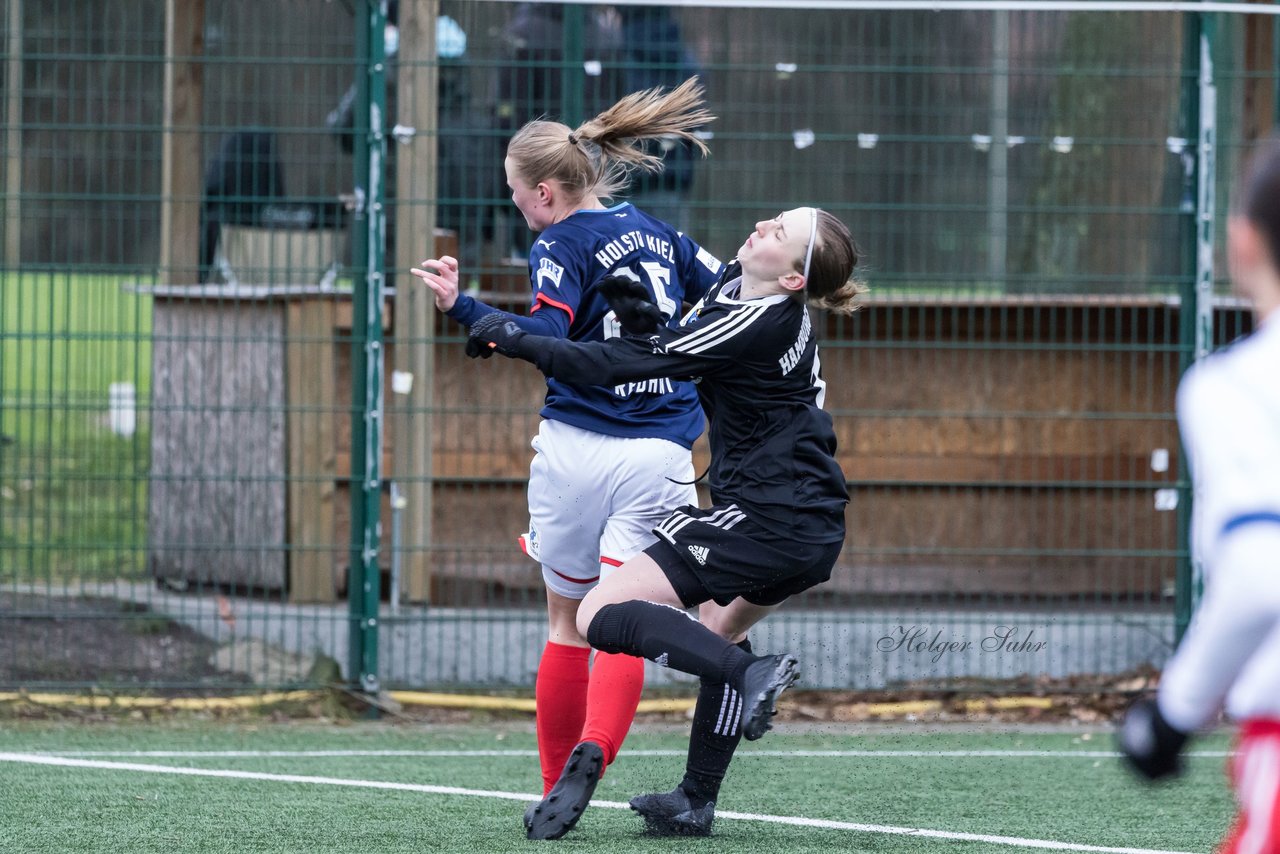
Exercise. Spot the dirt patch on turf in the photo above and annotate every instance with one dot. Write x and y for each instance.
(101, 642)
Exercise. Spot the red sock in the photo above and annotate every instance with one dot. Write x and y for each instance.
(612, 697)
(560, 695)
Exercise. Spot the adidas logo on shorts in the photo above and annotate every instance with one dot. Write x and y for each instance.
(700, 554)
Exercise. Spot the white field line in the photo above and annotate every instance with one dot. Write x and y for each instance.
(824, 754)
(796, 821)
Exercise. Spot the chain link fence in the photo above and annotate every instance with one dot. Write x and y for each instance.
(238, 442)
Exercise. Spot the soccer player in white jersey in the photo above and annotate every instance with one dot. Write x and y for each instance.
(611, 459)
(776, 522)
(1229, 413)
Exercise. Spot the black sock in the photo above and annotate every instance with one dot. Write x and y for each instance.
(713, 738)
(668, 636)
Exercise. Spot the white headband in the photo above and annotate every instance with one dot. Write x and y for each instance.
(813, 234)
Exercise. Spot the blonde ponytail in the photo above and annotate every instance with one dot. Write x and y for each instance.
(596, 158)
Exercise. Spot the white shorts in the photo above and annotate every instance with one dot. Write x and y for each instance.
(594, 501)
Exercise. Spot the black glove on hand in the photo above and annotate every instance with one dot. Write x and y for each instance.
(631, 303)
(1150, 745)
(477, 349)
(494, 332)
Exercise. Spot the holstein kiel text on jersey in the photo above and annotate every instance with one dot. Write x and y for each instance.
(623, 245)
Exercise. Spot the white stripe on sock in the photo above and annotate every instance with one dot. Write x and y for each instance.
(724, 704)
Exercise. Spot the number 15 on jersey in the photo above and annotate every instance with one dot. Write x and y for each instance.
(659, 277)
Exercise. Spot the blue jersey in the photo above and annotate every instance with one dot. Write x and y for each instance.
(566, 263)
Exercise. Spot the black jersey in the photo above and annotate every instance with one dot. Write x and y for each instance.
(756, 366)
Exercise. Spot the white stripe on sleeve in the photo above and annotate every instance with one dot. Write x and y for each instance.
(719, 331)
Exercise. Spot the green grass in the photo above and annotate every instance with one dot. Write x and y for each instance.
(72, 493)
(63, 340)
(73, 511)
(1066, 799)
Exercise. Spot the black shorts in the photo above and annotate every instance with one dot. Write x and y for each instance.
(721, 555)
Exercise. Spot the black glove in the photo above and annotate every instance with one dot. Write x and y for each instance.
(494, 332)
(1150, 745)
(477, 349)
(631, 303)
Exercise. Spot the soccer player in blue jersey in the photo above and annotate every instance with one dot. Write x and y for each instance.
(611, 460)
(776, 522)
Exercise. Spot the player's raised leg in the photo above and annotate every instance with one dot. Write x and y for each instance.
(637, 611)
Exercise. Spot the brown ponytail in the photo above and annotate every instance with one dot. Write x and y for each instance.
(832, 284)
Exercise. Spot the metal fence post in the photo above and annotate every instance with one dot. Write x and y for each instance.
(998, 161)
(13, 138)
(369, 236)
(573, 70)
(1196, 313)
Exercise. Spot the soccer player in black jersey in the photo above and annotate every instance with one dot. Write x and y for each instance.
(776, 524)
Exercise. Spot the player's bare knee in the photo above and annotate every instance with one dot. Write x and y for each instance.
(719, 620)
(567, 634)
(717, 624)
(562, 614)
(587, 611)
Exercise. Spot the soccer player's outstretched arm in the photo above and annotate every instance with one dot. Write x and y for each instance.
(1240, 609)
(617, 360)
(547, 316)
(636, 312)
(1224, 432)
(649, 351)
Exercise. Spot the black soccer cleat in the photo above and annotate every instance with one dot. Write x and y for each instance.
(764, 680)
(671, 814)
(560, 810)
